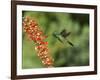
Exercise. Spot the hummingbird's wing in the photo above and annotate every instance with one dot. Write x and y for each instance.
(68, 33)
(64, 33)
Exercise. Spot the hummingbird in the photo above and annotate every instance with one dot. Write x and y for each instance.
(62, 36)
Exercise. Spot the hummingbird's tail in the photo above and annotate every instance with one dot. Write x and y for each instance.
(70, 43)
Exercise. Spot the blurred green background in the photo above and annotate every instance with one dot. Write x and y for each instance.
(64, 55)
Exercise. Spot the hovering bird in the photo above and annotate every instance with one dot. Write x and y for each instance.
(62, 36)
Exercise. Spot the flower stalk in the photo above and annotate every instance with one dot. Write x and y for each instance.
(32, 29)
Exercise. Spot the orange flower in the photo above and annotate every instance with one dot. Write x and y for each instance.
(34, 32)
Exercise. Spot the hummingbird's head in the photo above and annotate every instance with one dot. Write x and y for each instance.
(55, 33)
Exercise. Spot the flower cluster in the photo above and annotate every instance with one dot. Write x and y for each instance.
(34, 32)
